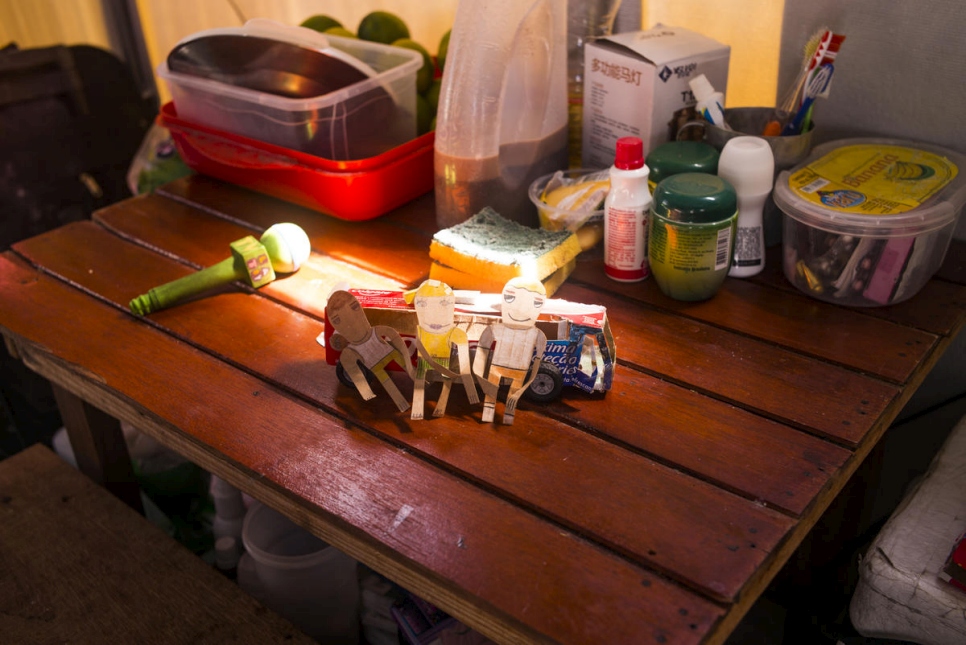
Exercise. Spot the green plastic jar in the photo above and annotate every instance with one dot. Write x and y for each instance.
(676, 157)
(691, 237)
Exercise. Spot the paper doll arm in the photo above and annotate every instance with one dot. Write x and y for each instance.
(514, 397)
(350, 363)
(541, 343)
(338, 342)
(532, 373)
(463, 356)
(482, 353)
(480, 360)
(424, 353)
(392, 336)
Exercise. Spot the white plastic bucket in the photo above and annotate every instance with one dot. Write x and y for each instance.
(310, 583)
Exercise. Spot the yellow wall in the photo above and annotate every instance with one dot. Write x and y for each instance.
(751, 27)
(42, 23)
(165, 22)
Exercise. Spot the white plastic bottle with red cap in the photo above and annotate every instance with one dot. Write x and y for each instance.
(625, 214)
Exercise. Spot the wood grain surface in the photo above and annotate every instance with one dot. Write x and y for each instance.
(654, 513)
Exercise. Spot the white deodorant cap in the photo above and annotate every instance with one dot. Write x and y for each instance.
(748, 164)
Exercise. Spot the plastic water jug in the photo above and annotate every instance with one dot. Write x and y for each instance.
(502, 118)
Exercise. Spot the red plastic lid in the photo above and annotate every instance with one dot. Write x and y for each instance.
(630, 153)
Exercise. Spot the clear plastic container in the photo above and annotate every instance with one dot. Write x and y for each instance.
(356, 190)
(579, 207)
(502, 119)
(867, 222)
(301, 577)
(336, 125)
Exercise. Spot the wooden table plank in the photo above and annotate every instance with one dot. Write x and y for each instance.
(365, 244)
(848, 428)
(713, 440)
(200, 239)
(802, 391)
(807, 325)
(591, 486)
(701, 453)
(937, 308)
(492, 564)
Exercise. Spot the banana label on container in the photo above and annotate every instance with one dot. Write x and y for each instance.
(873, 179)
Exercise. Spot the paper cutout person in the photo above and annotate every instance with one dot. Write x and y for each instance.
(516, 345)
(363, 345)
(436, 336)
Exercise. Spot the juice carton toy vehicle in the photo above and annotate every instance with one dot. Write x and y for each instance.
(580, 349)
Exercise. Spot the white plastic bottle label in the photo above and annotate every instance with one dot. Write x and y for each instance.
(748, 246)
(722, 246)
(625, 243)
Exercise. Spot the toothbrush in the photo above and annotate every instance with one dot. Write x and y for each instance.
(822, 47)
(791, 99)
(816, 87)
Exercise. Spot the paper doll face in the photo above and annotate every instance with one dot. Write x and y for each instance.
(521, 306)
(435, 313)
(347, 316)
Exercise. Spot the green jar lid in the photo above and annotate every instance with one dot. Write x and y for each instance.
(675, 157)
(696, 198)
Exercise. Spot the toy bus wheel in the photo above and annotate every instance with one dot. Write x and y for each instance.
(346, 380)
(547, 385)
(343, 376)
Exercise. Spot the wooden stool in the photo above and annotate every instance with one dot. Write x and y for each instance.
(77, 565)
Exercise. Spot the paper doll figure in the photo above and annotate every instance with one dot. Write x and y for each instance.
(516, 346)
(363, 345)
(436, 337)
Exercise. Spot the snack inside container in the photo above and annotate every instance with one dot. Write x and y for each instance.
(572, 200)
(867, 222)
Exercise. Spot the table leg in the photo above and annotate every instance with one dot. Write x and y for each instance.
(99, 447)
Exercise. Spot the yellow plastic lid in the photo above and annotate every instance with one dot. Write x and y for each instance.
(874, 187)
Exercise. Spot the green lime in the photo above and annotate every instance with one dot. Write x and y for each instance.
(443, 48)
(340, 31)
(424, 77)
(424, 115)
(382, 27)
(320, 22)
(432, 94)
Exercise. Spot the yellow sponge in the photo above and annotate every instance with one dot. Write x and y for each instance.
(459, 280)
(488, 245)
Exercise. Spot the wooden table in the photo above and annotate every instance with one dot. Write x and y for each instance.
(655, 514)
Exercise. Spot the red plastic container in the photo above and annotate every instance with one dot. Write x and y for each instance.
(355, 190)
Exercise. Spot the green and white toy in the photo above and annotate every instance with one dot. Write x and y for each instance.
(283, 248)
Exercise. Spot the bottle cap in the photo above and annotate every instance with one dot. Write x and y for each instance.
(226, 552)
(629, 154)
(695, 198)
(701, 87)
(675, 157)
(748, 164)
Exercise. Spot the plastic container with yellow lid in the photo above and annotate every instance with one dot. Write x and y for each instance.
(867, 221)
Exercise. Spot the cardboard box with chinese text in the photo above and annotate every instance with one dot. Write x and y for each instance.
(636, 84)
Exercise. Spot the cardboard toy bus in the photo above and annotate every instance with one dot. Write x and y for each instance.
(580, 349)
